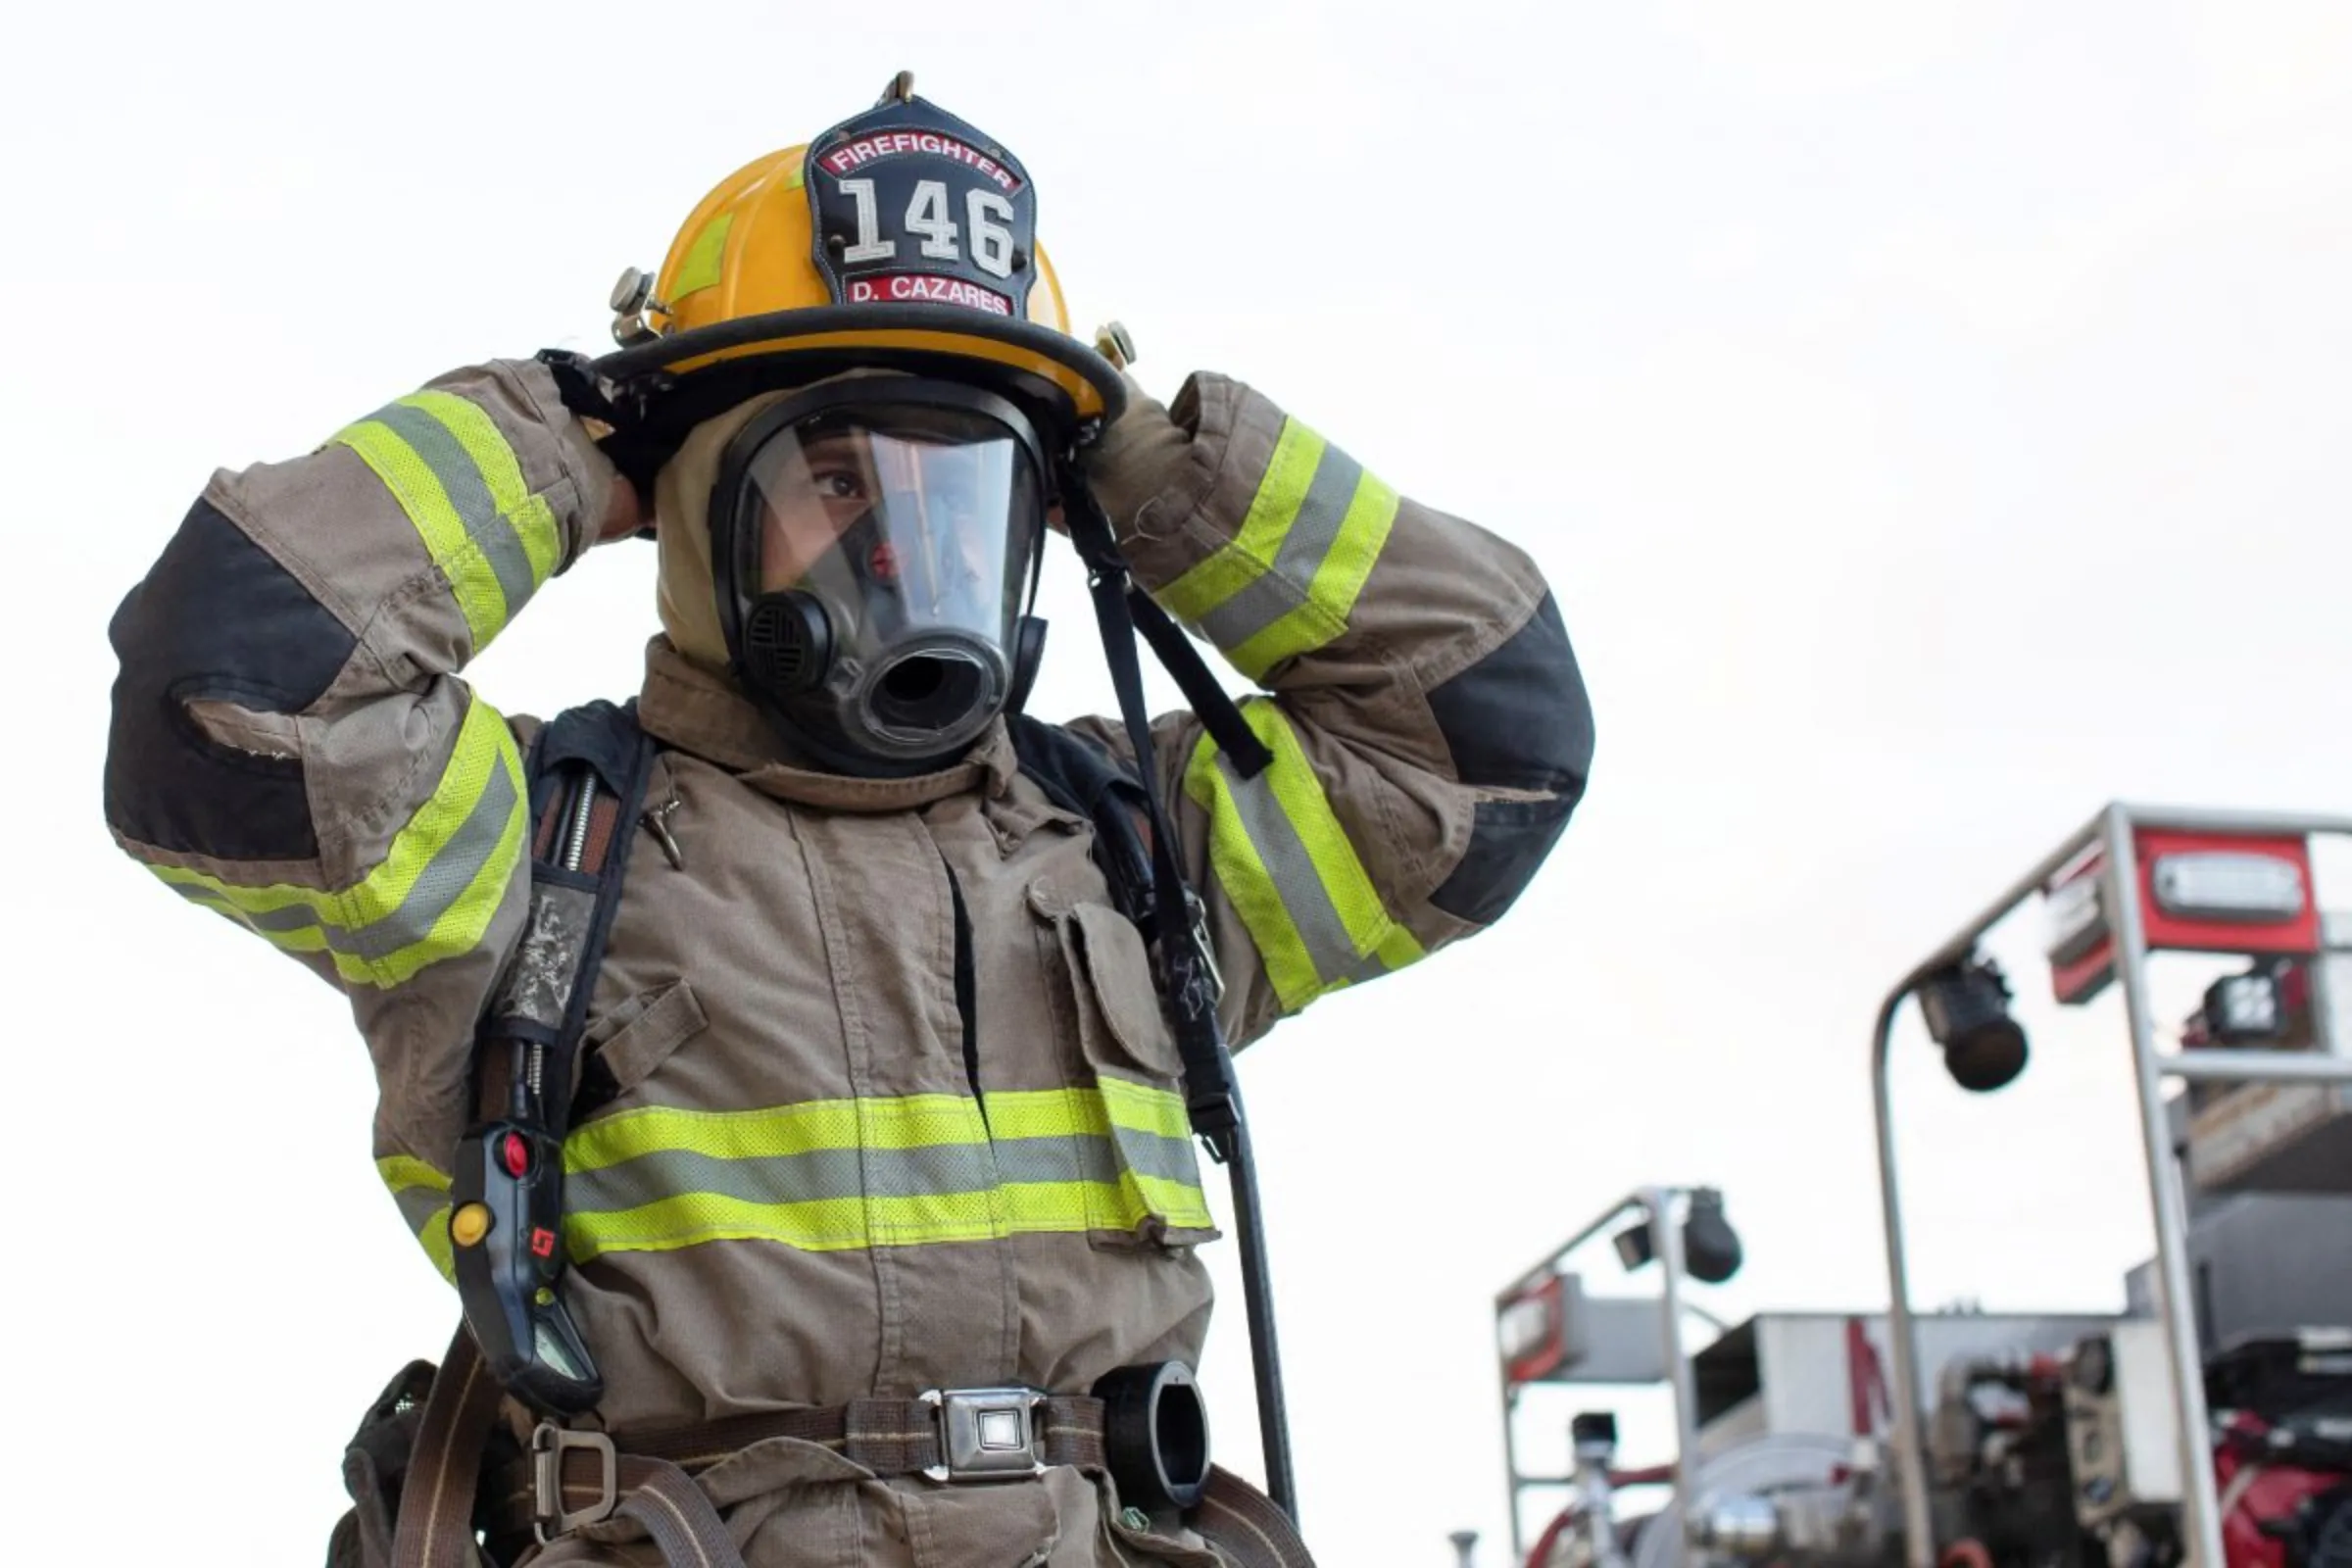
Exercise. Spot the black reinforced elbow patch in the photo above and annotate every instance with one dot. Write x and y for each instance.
(1508, 841)
(1517, 719)
(217, 618)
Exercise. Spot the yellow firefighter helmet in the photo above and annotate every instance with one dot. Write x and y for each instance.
(901, 237)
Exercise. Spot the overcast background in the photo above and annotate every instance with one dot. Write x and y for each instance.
(1931, 415)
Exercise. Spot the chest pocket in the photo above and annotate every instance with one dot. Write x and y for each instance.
(1135, 1145)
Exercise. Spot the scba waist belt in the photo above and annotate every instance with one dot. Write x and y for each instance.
(948, 1436)
(1145, 1426)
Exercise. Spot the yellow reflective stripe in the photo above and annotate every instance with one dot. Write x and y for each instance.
(1285, 861)
(1046, 1114)
(1299, 793)
(913, 1121)
(739, 1199)
(1399, 948)
(1139, 1107)
(850, 1222)
(532, 519)
(1236, 866)
(1177, 1202)
(1253, 546)
(1115, 1106)
(1288, 579)
(422, 496)
(404, 1171)
(434, 1237)
(434, 893)
(1332, 594)
(1040, 1208)
(1059, 1209)
(462, 486)
(1072, 1113)
(702, 264)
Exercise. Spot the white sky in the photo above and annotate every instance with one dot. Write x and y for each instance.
(1931, 416)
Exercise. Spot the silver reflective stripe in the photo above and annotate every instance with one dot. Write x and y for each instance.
(806, 1178)
(438, 886)
(1076, 1158)
(461, 482)
(1086, 1157)
(1283, 588)
(1292, 872)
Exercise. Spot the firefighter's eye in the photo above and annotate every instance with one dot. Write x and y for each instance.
(843, 483)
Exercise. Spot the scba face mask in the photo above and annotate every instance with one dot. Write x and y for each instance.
(876, 545)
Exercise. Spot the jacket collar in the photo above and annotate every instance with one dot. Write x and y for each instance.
(688, 707)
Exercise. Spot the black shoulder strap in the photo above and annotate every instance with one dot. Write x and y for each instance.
(600, 735)
(1191, 985)
(587, 776)
(1082, 778)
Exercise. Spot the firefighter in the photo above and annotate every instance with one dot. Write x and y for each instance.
(876, 1100)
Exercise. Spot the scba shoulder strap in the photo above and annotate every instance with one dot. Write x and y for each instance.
(586, 775)
(1082, 779)
(1189, 980)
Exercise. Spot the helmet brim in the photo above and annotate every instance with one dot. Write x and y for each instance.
(1035, 364)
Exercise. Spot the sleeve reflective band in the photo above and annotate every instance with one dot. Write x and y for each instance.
(1286, 583)
(432, 896)
(835, 1175)
(458, 479)
(1282, 857)
(422, 1194)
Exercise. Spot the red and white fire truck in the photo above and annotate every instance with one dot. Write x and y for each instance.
(2208, 1425)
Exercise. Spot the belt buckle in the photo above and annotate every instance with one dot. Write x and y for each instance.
(985, 1434)
(549, 1443)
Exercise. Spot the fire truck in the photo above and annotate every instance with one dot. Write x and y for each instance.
(2208, 1425)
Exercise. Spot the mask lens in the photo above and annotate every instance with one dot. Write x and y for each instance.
(936, 508)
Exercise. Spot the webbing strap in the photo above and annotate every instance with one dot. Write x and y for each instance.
(1217, 711)
(1210, 1093)
(1243, 1523)
(435, 1528)
(677, 1513)
(1213, 1095)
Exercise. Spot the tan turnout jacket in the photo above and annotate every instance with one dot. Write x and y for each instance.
(823, 1177)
